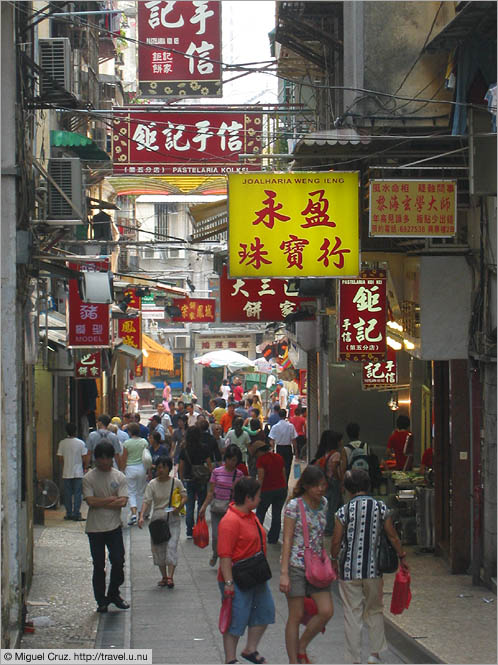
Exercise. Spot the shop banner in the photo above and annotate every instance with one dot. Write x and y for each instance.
(293, 225)
(88, 366)
(239, 343)
(362, 317)
(135, 301)
(130, 331)
(380, 374)
(257, 299)
(88, 323)
(139, 368)
(179, 48)
(197, 142)
(413, 208)
(195, 310)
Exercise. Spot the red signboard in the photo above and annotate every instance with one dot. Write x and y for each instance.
(198, 310)
(381, 373)
(88, 323)
(179, 48)
(256, 299)
(139, 369)
(130, 331)
(198, 142)
(362, 317)
(88, 366)
(134, 300)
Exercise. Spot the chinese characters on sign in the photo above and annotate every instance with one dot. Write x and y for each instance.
(293, 225)
(196, 143)
(239, 343)
(88, 366)
(134, 300)
(88, 323)
(362, 317)
(256, 299)
(379, 374)
(130, 331)
(413, 208)
(195, 310)
(179, 51)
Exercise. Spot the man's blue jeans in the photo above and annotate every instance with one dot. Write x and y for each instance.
(275, 499)
(72, 496)
(194, 492)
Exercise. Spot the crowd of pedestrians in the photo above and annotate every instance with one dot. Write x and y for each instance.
(235, 460)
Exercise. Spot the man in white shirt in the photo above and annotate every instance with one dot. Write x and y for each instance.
(165, 419)
(283, 395)
(72, 451)
(283, 437)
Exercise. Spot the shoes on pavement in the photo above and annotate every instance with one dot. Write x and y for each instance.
(68, 517)
(79, 518)
(189, 537)
(132, 520)
(102, 608)
(373, 659)
(169, 582)
(119, 602)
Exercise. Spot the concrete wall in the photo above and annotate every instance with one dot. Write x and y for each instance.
(44, 423)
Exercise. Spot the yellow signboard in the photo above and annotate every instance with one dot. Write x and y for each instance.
(293, 224)
(413, 208)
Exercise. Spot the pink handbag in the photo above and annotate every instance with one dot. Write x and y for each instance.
(317, 568)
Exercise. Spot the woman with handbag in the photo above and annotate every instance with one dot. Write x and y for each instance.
(358, 530)
(219, 495)
(304, 523)
(194, 470)
(244, 572)
(159, 492)
(130, 463)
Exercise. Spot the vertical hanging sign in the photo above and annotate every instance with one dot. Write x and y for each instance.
(380, 374)
(88, 323)
(362, 317)
(88, 366)
(179, 52)
(130, 331)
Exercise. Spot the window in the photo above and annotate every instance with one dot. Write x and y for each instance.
(163, 213)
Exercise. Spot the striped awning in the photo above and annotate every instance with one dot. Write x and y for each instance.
(150, 184)
(155, 355)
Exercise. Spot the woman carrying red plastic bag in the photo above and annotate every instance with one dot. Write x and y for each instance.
(200, 533)
(402, 595)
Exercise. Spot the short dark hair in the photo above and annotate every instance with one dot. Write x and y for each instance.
(221, 402)
(156, 436)
(256, 411)
(310, 477)
(277, 408)
(137, 417)
(133, 429)
(232, 451)
(245, 487)
(172, 403)
(180, 402)
(353, 430)
(357, 480)
(282, 413)
(402, 422)
(156, 418)
(164, 460)
(70, 429)
(104, 449)
(104, 419)
(203, 424)
(231, 404)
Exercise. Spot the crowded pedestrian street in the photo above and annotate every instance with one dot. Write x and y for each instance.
(248, 332)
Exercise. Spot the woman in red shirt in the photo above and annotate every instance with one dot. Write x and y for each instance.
(271, 474)
(400, 444)
(299, 422)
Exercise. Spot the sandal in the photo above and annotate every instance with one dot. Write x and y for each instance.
(254, 657)
(169, 582)
(303, 658)
(163, 582)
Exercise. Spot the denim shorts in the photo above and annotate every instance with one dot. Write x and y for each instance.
(299, 585)
(254, 607)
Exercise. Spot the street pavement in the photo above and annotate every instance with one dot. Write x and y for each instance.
(181, 624)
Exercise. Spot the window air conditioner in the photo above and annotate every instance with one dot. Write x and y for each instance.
(68, 175)
(181, 342)
(55, 60)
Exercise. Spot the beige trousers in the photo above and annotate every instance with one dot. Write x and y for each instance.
(363, 603)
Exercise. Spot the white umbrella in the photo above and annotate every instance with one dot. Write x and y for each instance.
(227, 358)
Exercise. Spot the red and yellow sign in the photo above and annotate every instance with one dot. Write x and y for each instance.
(198, 310)
(130, 331)
(413, 208)
(293, 225)
(380, 374)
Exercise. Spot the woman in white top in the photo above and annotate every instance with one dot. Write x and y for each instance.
(158, 493)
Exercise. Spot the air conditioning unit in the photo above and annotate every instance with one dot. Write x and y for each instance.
(55, 61)
(68, 174)
(181, 342)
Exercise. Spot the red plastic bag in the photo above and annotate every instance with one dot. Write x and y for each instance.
(310, 609)
(200, 533)
(402, 595)
(225, 613)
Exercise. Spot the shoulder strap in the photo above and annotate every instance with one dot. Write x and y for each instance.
(260, 535)
(233, 482)
(305, 523)
(170, 496)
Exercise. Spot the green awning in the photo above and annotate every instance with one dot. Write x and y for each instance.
(84, 147)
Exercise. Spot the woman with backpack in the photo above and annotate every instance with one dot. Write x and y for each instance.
(328, 458)
(194, 470)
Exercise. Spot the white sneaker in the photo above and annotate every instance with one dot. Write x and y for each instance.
(373, 659)
(132, 520)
